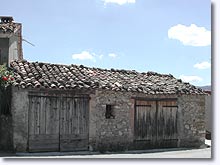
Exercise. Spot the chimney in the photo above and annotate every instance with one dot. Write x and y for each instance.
(6, 19)
(10, 40)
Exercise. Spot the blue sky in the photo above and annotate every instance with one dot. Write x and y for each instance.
(165, 36)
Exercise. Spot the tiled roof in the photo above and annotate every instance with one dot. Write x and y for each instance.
(45, 75)
(8, 27)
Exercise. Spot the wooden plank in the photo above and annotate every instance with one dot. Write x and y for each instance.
(153, 99)
(37, 115)
(54, 116)
(161, 122)
(144, 103)
(52, 147)
(76, 138)
(42, 115)
(174, 116)
(57, 116)
(61, 117)
(45, 136)
(83, 116)
(31, 115)
(43, 143)
(69, 102)
(74, 121)
(65, 117)
(49, 120)
(44, 146)
(167, 121)
(76, 145)
(59, 94)
(87, 117)
(81, 113)
(77, 115)
(71, 115)
(145, 122)
(47, 115)
(168, 103)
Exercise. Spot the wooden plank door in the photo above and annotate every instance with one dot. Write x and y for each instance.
(74, 124)
(156, 123)
(145, 120)
(167, 123)
(43, 124)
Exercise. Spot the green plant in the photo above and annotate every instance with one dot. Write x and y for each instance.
(6, 77)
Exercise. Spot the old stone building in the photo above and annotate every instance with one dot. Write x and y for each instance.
(64, 108)
(69, 107)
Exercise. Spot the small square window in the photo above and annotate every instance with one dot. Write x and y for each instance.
(109, 113)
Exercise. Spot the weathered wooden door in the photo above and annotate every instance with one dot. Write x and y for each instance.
(43, 123)
(167, 123)
(74, 124)
(58, 123)
(156, 123)
(145, 120)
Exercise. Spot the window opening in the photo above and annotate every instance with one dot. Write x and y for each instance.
(109, 113)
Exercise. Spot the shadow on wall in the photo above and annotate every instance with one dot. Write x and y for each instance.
(6, 143)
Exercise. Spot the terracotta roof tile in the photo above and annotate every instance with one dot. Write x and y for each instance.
(45, 75)
(8, 27)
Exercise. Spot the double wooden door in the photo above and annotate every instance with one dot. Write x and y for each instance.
(58, 123)
(156, 122)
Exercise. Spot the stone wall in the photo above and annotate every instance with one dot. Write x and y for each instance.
(192, 132)
(117, 133)
(114, 133)
(6, 141)
(19, 110)
(208, 110)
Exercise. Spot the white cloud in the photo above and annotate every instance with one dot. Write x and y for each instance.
(101, 56)
(190, 35)
(119, 2)
(84, 56)
(113, 55)
(190, 78)
(202, 65)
